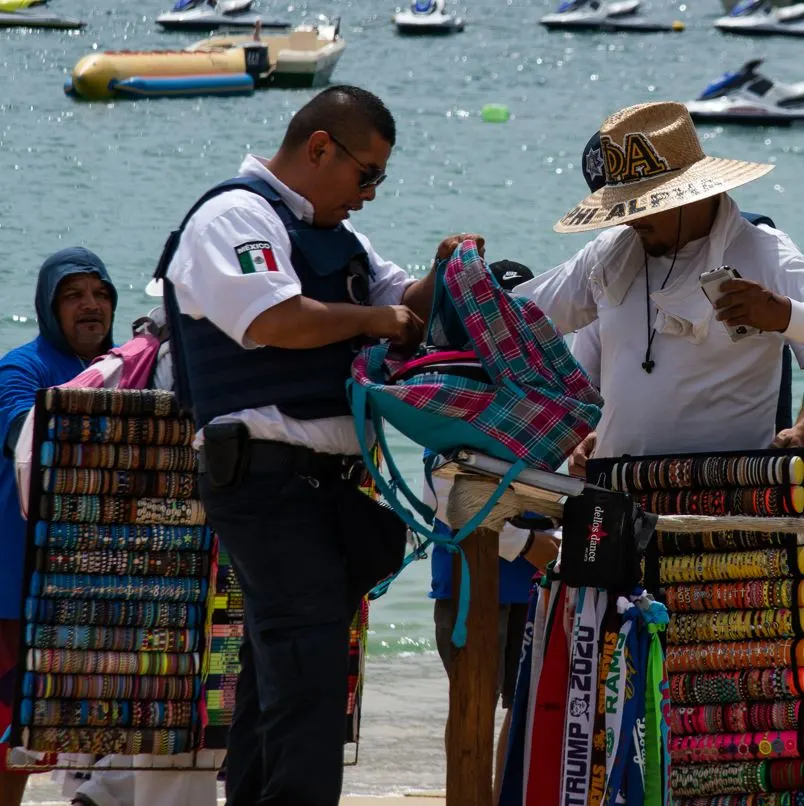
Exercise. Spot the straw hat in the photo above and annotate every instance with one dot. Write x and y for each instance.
(653, 161)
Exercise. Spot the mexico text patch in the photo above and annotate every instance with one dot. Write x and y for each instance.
(256, 256)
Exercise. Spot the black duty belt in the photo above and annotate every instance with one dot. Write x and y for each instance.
(266, 456)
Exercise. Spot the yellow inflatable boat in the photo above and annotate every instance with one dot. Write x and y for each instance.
(233, 65)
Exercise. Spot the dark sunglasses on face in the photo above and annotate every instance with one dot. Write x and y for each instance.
(369, 177)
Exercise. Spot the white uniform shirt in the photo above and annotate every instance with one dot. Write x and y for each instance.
(706, 393)
(210, 283)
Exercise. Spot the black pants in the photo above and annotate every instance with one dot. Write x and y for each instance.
(299, 548)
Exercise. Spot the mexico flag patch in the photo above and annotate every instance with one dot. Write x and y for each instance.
(256, 256)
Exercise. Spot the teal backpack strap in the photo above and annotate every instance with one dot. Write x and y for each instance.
(360, 402)
(358, 395)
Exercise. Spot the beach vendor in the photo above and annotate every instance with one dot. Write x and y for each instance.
(523, 549)
(683, 384)
(274, 290)
(586, 342)
(75, 304)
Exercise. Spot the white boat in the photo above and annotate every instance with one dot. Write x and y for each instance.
(762, 18)
(214, 15)
(427, 17)
(37, 18)
(303, 57)
(748, 97)
(595, 15)
(728, 5)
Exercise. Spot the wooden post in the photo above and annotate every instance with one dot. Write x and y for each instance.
(473, 678)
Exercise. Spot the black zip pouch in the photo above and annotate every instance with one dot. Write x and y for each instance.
(227, 453)
(604, 537)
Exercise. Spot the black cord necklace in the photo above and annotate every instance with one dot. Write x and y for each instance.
(648, 364)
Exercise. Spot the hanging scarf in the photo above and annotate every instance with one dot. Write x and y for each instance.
(578, 726)
(610, 631)
(514, 773)
(635, 771)
(657, 705)
(544, 778)
(541, 631)
(621, 705)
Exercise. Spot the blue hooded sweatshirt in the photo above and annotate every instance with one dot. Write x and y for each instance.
(46, 361)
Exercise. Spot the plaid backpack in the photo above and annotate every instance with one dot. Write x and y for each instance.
(493, 376)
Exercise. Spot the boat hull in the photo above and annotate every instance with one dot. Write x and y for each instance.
(741, 114)
(209, 68)
(409, 24)
(608, 24)
(38, 19)
(731, 25)
(217, 22)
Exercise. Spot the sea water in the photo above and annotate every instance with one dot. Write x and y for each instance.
(116, 176)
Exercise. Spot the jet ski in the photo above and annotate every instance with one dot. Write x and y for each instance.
(38, 18)
(214, 15)
(762, 18)
(595, 15)
(427, 17)
(748, 97)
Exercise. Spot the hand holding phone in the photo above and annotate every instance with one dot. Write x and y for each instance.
(710, 285)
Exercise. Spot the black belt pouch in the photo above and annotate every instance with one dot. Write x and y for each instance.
(227, 453)
(372, 538)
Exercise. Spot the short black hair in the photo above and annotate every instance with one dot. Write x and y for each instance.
(343, 110)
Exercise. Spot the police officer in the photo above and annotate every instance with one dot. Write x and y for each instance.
(269, 292)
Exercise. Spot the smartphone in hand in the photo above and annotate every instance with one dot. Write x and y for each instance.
(710, 285)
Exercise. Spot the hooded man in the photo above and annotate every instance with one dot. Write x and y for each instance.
(75, 304)
(672, 378)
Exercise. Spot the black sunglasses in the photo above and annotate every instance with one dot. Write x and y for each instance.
(369, 177)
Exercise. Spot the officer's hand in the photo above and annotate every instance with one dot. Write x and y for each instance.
(397, 323)
(579, 457)
(448, 245)
(790, 437)
(749, 303)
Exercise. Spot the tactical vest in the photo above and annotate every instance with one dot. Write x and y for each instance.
(214, 375)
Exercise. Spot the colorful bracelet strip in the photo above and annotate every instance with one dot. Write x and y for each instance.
(156, 402)
(760, 799)
(135, 563)
(121, 537)
(118, 457)
(111, 612)
(786, 775)
(106, 509)
(738, 717)
(105, 741)
(748, 595)
(730, 778)
(762, 501)
(125, 483)
(756, 685)
(695, 542)
(116, 639)
(67, 661)
(731, 625)
(108, 713)
(710, 471)
(130, 430)
(109, 687)
(731, 565)
(720, 747)
(730, 655)
(79, 586)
